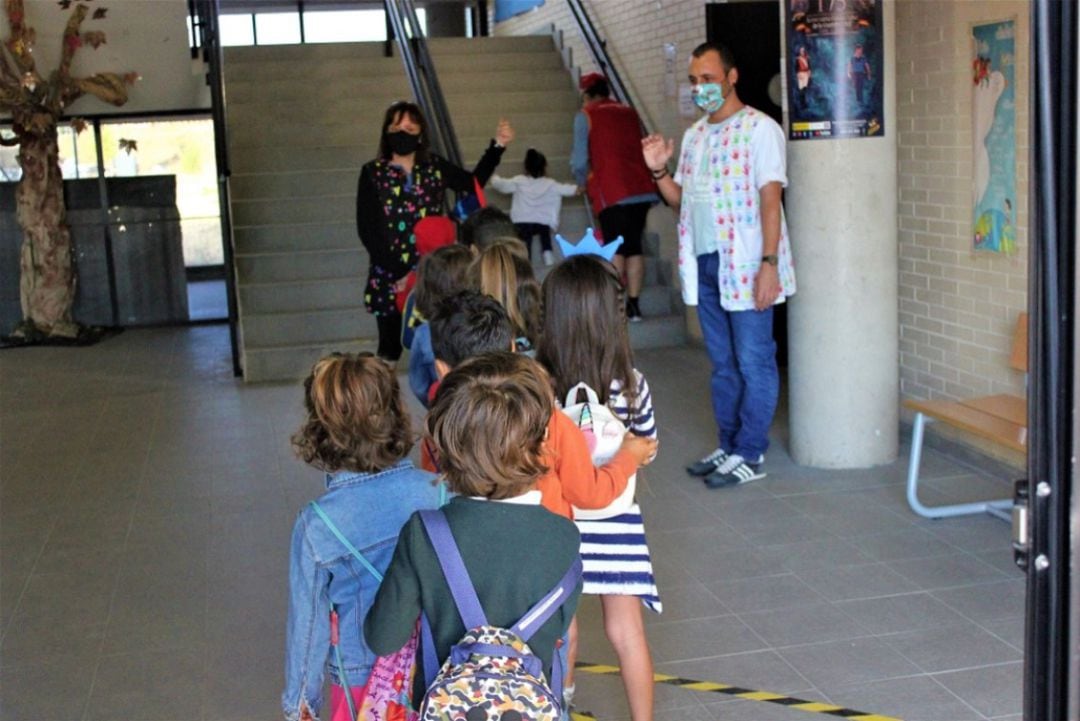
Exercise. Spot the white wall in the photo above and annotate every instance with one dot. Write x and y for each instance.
(145, 36)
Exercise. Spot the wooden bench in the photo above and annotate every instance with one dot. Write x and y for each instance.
(999, 418)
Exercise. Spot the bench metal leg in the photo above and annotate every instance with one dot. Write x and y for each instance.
(1000, 509)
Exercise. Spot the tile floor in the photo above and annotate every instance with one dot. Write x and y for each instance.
(147, 498)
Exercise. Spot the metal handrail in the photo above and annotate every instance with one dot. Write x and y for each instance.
(598, 48)
(210, 42)
(420, 70)
(444, 122)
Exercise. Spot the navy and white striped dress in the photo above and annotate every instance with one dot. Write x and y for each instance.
(614, 552)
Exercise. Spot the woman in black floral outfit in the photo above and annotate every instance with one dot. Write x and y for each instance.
(402, 185)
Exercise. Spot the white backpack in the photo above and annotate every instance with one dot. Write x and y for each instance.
(604, 434)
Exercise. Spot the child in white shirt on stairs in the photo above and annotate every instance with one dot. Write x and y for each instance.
(537, 202)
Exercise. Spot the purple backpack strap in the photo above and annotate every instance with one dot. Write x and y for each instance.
(453, 568)
(427, 643)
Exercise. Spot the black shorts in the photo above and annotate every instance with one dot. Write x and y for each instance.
(627, 221)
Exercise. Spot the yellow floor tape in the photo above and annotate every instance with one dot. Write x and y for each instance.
(737, 692)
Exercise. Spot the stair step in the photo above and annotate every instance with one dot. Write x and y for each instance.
(313, 51)
(258, 239)
(295, 184)
(301, 88)
(315, 69)
(292, 363)
(362, 114)
(364, 119)
(447, 63)
(271, 330)
(510, 103)
(298, 266)
(658, 332)
(493, 45)
(268, 159)
(292, 91)
(325, 294)
(335, 208)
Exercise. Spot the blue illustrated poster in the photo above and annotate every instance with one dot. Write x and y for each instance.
(993, 136)
(835, 69)
(506, 9)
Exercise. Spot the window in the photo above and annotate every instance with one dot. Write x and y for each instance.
(236, 30)
(344, 26)
(77, 155)
(277, 28)
(320, 26)
(184, 148)
(78, 152)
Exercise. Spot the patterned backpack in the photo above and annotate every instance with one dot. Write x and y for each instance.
(491, 674)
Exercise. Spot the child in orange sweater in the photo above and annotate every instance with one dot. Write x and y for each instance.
(467, 324)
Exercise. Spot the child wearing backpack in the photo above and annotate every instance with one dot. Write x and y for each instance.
(488, 423)
(537, 202)
(439, 275)
(585, 340)
(468, 324)
(358, 431)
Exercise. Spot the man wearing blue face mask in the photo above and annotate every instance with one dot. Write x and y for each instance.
(734, 256)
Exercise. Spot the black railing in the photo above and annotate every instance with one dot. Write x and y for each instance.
(598, 49)
(420, 69)
(209, 39)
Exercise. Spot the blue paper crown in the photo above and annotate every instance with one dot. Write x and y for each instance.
(589, 245)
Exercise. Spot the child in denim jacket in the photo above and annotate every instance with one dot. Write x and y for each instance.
(358, 432)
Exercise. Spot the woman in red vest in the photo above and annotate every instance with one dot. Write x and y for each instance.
(606, 159)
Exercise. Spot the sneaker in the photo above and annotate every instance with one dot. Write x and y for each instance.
(708, 464)
(735, 471)
(633, 312)
(549, 258)
(568, 697)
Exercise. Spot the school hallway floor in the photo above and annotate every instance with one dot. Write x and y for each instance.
(147, 500)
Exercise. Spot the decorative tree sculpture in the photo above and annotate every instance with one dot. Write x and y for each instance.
(36, 105)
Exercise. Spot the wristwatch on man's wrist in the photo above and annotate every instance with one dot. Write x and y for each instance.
(771, 260)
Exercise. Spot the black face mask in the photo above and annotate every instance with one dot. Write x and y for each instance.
(402, 143)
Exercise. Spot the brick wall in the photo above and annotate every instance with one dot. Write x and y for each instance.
(957, 307)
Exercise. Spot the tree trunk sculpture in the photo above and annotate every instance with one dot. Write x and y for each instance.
(36, 104)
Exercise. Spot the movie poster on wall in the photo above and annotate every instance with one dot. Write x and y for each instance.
(835, 73)
(993, 136)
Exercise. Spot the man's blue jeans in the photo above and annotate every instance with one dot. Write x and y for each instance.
(745, 379)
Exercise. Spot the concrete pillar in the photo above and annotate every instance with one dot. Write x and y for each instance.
(843, 366)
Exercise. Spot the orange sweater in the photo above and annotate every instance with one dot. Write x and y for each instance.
(572, 479)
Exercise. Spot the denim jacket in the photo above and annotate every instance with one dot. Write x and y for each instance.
(422, 364)
(369, 509)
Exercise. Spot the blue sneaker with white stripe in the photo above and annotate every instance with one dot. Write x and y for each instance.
(735, 471)
(708, 464)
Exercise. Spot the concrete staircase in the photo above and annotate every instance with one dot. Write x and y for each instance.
(302, 121)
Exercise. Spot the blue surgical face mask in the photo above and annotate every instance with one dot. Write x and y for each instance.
(708, 96)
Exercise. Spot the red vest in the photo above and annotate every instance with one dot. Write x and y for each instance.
(616, 168)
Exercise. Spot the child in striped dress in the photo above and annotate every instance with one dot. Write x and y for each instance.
(585, 339)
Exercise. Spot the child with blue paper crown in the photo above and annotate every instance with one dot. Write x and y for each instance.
(585, 346)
